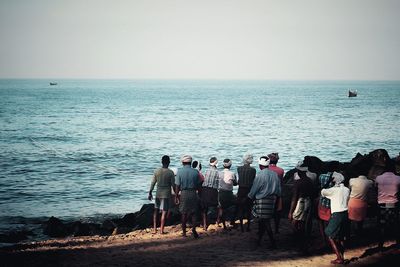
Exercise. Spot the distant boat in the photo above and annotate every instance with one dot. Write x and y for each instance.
(53, 83)
(352, 93)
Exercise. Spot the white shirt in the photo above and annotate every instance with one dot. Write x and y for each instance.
(226, 180)
(339, 196)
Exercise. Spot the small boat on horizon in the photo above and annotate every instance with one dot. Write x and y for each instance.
(352, 93)
(53, 83)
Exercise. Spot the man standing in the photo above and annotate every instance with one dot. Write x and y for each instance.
(300, 207)
(187, 183)
(266, 188)
(209, 191)
(246, 175)
(388, 193)
(338, 226)
(273, 160)
(164, 178)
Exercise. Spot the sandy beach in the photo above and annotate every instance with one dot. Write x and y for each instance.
(216, 247)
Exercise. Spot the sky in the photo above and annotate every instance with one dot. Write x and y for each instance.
(204, 39)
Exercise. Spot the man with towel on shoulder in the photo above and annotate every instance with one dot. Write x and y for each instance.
(187, 182)
(266, 188)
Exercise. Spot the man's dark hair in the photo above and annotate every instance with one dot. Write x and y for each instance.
(165, 159)
(195, 163)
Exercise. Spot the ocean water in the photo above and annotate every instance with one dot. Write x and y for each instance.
(88, 147)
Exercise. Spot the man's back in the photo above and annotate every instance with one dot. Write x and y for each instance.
(246, 175)
(187, 178)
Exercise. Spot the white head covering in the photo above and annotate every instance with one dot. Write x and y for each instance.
(248, 158)
(215, 163)
(198, 165)
(227, 164)
(301, 168)
(337, 178)
(263, 162)
(186, 159)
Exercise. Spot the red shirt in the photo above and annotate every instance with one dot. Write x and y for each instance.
(279, 171)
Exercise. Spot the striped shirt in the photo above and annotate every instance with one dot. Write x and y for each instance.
(211, 178)
(246, 175)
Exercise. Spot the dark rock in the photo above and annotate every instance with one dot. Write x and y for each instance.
(108, 226)
(54, 227)
(15, 236)
(80, 229)
(129, 220)
(144, 218)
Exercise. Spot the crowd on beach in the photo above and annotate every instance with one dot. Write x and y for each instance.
(334, 200)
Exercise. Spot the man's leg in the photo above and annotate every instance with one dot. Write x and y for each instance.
(183, 223)
(163, 215)
(261, 230)
(277, 220)
(194, 224)
(334, 245)
(155, 220)
(270, 233)
(204, 216)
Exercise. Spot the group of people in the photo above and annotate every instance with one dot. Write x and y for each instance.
(260, 196)
(339, 202)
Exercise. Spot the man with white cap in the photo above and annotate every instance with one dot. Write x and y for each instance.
(246, 176)
(187, 182)
(226, 198)
(209, 193)
(338, 225)
(273, 160)
(266, 188)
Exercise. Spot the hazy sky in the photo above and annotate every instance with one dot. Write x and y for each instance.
(282, 39)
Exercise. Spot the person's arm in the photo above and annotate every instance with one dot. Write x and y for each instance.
(326, 192)
(293, 203)
(153, 183)
(177, 187)
(254, 188)
(235, 180)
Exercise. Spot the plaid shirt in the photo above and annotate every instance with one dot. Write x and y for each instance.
(211, 178)
(323, 179)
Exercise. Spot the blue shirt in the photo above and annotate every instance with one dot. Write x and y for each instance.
(187, 178)
(265, 184)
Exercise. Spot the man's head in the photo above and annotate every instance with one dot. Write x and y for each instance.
(213, 161)
(227, 163)
(247, 158)
(263, 162)
(186, 160)
(273, 158)
(165, 160)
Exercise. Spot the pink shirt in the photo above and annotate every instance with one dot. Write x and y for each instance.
(388, 186)
(279, 171)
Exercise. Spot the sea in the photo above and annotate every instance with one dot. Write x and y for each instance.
(85, 149)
